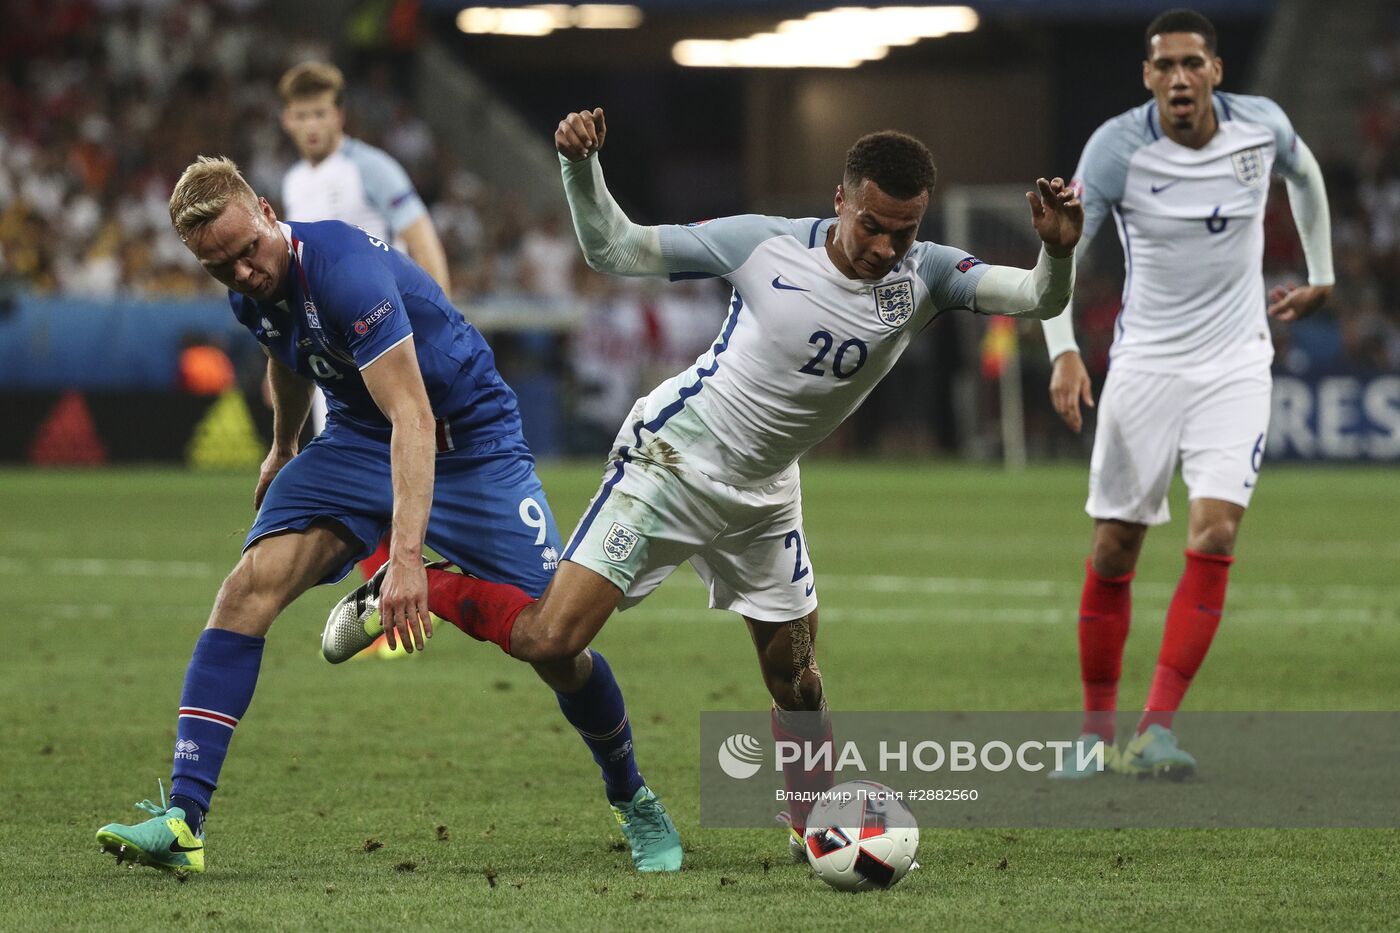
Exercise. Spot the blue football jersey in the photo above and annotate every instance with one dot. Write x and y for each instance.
(349, 299)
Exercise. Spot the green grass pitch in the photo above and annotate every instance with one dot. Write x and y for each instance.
(446, 791)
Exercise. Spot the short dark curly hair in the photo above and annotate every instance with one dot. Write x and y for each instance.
(1180, 20)
(897, 162)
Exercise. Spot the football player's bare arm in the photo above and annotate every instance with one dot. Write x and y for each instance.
(396, 384)
(567, 617)
(291, 400)
(610, 241)
(421, 240)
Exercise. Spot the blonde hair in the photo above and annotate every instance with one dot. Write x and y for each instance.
(204, 190)
(309, 79)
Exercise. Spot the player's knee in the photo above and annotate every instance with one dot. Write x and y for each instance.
(557, 640)
(1115, 554)
(565, 676)
(1217, 537)
(244, 602)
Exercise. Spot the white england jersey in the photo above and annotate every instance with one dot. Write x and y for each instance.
(800, 349)
(357, 184)
(1191, 225)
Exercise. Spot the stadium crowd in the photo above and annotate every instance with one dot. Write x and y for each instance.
(102, 102)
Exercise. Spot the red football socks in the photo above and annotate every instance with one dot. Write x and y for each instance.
(810, 731)
(485, 611)
(1105, 609)
(1192, 619)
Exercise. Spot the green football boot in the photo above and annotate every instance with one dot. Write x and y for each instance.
(165, 841)
(1071, 768)
(1155, 754)
(656, 846)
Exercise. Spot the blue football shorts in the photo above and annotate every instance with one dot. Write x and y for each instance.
(489, 514)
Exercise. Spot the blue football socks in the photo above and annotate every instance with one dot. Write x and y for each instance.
(599, 715)
(218, 688)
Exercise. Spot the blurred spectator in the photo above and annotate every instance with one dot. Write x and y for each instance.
(549, 260)
(103, 102)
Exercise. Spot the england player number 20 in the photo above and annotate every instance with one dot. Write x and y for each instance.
(849, 358)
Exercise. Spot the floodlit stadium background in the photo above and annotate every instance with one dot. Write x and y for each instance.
(713, 108)
(445, 792)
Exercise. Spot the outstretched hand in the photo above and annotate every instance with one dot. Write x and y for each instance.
(1058, 215)
(1289, 302)
(581, 134)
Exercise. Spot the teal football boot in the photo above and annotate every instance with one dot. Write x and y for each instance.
(1075, 767)
(165, 841)
(1155, 754)
(656, 846)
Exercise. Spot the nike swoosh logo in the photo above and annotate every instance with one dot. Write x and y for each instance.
(1248, 484)
(811, 588)
(778, 283)
(1158, 189)
(176, 847)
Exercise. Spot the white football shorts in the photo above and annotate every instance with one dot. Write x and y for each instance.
(745, 542)
(1215, 423)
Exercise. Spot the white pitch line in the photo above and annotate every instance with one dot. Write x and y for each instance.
(1338, 597)
(972, 616)
(102, 612)
(1045, 589)
(103, 567)
(108, 567)
(981, 543)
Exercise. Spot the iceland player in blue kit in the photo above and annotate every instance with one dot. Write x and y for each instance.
(423, 438)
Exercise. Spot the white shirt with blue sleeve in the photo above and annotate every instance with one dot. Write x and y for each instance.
(801, 347)
(1190, 222)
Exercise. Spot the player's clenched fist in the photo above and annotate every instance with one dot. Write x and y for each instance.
(581, 134)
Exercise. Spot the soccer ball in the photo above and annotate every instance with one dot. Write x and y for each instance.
(861, 837)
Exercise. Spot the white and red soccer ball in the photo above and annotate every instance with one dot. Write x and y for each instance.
(861, 837)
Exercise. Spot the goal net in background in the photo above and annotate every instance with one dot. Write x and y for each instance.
(1003, 411)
